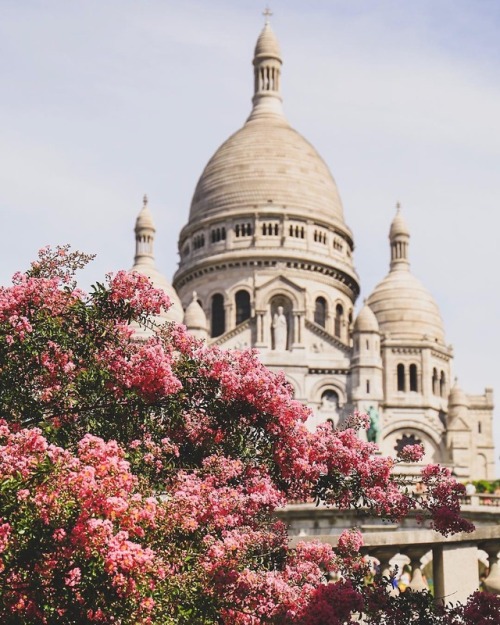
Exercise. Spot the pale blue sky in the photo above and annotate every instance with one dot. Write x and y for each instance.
(101, 102)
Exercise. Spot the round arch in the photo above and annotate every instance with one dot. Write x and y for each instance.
(397, 435)
(414, 426)
(327, 384)
(297, 390)
(264, 297)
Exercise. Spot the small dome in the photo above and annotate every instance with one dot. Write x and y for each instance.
(144, 263)
(405, 309)
(174, 313)
(366, 320)
(267, 44)
(398, 226)
(194, 316)
(457, 396)
(144, 218)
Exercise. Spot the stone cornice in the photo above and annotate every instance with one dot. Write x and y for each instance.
(220, 340)
(346, 282)
(413, 345)
(328, 371)
(326, 336)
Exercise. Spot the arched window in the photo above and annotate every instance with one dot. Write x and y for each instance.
(401, 377)
(442, 384)
(242, 301)
(435, 381)
(218, 315)
(329, 400)
(320, 311)
(339, 314)
(413, 378)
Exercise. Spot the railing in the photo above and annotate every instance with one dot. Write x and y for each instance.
(455, 559)
(481, 499)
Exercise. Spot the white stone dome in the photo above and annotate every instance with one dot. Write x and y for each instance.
(267, 44)
(398, 226)
(404, 308)
(266, 196)
(267, 164)
(174, 313)
(457, 396)
(366, 320)
(194, 316)
(144, 263)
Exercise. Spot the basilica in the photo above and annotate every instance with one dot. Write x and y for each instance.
(266, 261)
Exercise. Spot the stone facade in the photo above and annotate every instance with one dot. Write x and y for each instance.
(266, 261)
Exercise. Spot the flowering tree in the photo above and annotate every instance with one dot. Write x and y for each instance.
(139, 479)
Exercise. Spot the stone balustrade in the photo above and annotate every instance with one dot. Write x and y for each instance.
(455, 559)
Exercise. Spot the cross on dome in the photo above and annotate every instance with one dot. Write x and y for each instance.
(267, 13)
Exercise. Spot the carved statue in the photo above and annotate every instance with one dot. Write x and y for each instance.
(280, 330)
(373, 433)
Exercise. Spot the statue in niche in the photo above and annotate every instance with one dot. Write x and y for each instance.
(280, 330)
(373, 433)
(329, 401)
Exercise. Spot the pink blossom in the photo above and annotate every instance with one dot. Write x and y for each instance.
(411, 453)
(350, 542)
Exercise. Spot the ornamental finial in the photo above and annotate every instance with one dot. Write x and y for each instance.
(145, 200)
(267, 14)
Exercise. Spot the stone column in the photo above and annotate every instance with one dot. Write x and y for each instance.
(296, 329)
(455, 571)
(492, 582)
(417, 581)
(438, 573)
(260, 339)
(230, 318)
(426, 375)
(384, 556)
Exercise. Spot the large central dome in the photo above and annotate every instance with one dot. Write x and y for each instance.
(266, 198)
(267, 162)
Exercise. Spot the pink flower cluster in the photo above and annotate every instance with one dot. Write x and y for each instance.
(137, 291)
(177, 518)
(350, 542)
(22, 304)
(143, 367)
(334, 604)
(411, 453)
(87, 519)
(442, 500)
